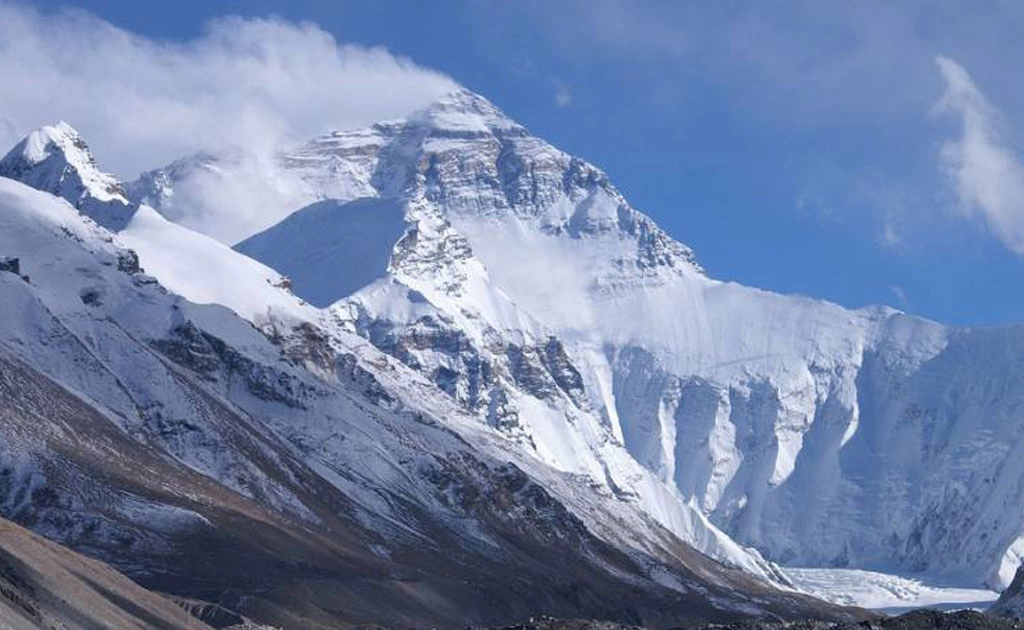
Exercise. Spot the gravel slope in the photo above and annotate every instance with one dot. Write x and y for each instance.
(44, 585)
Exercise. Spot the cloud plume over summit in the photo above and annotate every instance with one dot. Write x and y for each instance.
(244, 82)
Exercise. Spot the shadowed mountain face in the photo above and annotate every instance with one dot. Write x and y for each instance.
(331, 248)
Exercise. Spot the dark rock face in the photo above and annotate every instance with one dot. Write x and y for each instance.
(480, 378)
(1011, 602)
(10, 265)
(543, 370)
(205, 354)
(128, 262)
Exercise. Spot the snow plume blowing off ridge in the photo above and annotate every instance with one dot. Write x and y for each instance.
(245, 86)
(985, 171)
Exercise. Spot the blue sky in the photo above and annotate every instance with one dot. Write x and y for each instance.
(807, 147)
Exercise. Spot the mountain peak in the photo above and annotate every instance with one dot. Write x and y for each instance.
(465, 111)
(37, 144)
(55, 159)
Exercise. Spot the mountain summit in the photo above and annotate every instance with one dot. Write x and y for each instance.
(467, 112)
(57, 160)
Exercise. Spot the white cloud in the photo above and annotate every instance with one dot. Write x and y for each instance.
(901, 296)
(563, 96)
(982, 165)
(249, 83)
(890, 237)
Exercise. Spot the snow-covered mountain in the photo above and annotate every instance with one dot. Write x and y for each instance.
(523, 284)
(464, 335)
(57, 160)
(168, 405)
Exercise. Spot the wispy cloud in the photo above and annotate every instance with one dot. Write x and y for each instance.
(982, 165)
(901, 297)
(563, 95)
(890, 237)
(243, 83)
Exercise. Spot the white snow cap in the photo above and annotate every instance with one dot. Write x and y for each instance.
(56, 159)
(62, 139)
(462, 110)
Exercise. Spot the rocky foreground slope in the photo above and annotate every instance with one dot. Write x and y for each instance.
(1011, 601)
(45, 586)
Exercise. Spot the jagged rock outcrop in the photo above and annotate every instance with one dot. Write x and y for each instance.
(1011, 601)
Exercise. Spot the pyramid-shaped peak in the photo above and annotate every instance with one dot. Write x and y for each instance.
(465, 111)
(43, 142)
(466, 101)
(55, 159)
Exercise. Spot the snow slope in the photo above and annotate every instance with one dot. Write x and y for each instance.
(57, 160)
(339, 247)
(206, 271)
(530, 291)
(887, 593)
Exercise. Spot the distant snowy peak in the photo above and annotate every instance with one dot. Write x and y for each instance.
(156, 188)
(461, 171)
(466, 112)
(56, 159)
(466, 157)
(463, 156)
